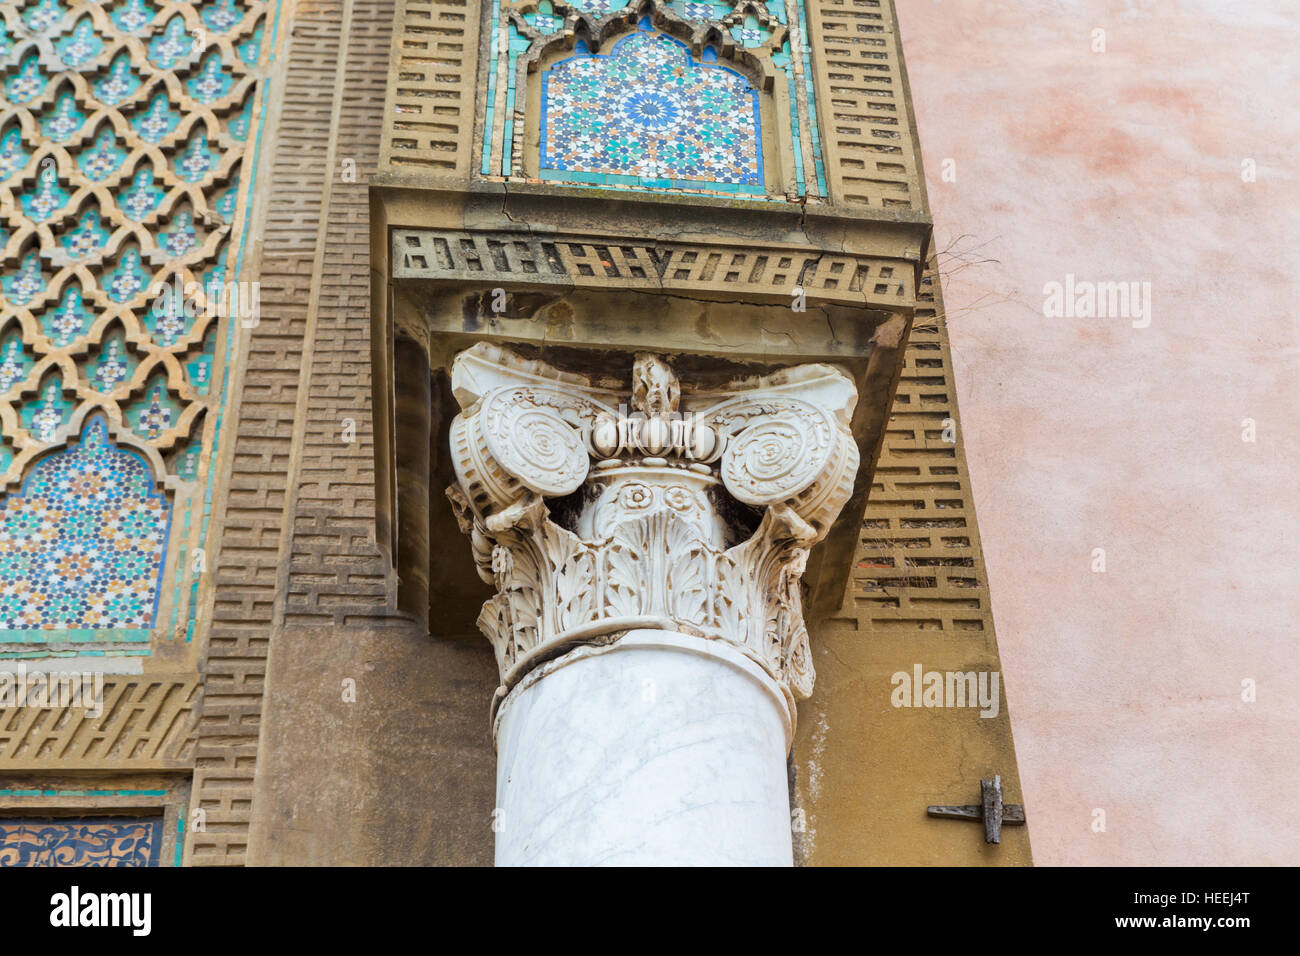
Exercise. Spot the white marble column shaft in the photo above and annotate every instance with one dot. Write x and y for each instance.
(659, 750)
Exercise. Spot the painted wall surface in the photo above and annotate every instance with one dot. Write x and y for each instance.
(1126, 686)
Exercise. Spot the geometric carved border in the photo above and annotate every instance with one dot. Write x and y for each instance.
(871, 150)
(145, 724)
(768, 272)
(335, 57)
(920, 565)
(431, 87)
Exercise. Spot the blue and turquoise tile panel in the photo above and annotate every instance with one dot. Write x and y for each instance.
(649, 113)
(85, 841)
(645, 112)
(100, 835)
(82, 543)
(115, 103)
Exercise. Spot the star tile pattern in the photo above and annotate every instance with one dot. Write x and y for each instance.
(82, 544)
(690, 111)
(649, 112)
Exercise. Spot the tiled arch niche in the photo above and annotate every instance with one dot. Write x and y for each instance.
(127, 138)
(713, 98)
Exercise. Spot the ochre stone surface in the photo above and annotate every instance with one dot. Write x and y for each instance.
(865, 770)
(403, 775)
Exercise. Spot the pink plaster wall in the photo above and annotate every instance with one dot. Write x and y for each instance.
(1125, 686)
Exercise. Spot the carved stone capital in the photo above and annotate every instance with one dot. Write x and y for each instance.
(692, 511)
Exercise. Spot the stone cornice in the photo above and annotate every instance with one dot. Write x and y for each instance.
(769, 272)
(547, 212)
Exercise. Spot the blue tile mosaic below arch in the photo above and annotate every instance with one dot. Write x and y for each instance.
(82, 544)
(650, 114)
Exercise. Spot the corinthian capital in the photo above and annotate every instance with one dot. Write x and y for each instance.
(692, 510)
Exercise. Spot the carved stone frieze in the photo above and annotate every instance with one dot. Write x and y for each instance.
(751, 271)
(691, 511)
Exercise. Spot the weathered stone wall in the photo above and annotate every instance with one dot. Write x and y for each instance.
(304, 602)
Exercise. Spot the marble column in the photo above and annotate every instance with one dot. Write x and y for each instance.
(647, 622)
(660, 749)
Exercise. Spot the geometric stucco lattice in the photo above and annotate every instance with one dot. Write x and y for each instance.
(432, 87)
(123, 148)
(298, 512)
(146, 723)
(337, 575)
(919, 565)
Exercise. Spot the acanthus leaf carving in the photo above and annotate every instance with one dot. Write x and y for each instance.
(627, 556)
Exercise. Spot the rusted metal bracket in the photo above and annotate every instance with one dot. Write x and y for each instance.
(991, 810)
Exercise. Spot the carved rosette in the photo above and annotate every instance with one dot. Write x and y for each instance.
(708, 538)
